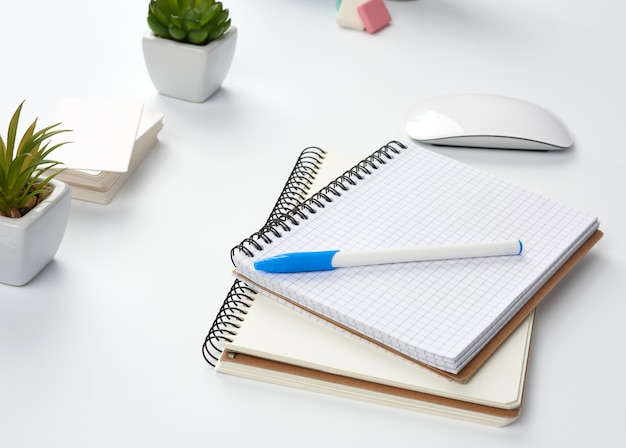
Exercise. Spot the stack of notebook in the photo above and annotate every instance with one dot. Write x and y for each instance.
(450, 337)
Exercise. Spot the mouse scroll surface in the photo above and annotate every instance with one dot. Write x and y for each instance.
(486, 121)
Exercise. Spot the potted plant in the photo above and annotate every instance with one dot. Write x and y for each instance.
(190, 47)
(34, 208)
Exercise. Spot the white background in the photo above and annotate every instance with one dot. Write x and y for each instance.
(103, 348)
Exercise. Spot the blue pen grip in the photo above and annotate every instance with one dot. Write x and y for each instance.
(297, 262)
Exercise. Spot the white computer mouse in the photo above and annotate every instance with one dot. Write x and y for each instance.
(486, 121)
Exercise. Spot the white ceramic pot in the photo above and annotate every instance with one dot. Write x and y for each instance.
(29, 243)
(185, 71)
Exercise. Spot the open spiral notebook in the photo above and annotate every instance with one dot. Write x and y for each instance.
(441, 314)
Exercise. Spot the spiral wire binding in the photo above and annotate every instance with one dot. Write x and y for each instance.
(299, 182)
(240, 297)
(276, 225)
(290, 206)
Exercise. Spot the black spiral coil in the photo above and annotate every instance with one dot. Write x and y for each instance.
(279, 223)
(240, 297)
(228, 320)
(299, 182)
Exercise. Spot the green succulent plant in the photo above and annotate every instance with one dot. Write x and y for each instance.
(23, 166)
(196, 22)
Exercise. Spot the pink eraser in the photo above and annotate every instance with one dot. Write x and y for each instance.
(374, 15)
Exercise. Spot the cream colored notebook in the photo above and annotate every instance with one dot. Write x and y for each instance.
(279, 345)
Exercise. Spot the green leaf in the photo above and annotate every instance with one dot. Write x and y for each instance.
(208, 14)
(190, 25)
(4, 155)
(177, 21)
(162, 6)
(173, 6)
(157, 28)
(219, 31)
(192, 14)
(24, 145)
(198, 37)
(160, 15)
(185, 5)
(221, 18)
(177, 33)
(12, 132)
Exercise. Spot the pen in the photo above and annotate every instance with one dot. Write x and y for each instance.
(331, 259)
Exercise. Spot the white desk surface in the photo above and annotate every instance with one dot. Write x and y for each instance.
(103, 348)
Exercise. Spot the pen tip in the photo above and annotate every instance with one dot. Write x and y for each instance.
(261, 265)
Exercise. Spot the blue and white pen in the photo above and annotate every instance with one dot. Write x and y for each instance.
(331, 259)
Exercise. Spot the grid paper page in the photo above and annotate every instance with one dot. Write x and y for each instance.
(439, 312)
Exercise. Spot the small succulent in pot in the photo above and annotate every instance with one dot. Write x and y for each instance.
(23, 182)
(196, 22)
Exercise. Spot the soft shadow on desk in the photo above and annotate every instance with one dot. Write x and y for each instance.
(230, 118)
(218, 111)
(146, 174)
(28, 312)
(520, 158)
(587, 270)
(51, 270)
(143, 177)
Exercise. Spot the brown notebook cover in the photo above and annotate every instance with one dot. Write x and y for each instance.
(253, 361)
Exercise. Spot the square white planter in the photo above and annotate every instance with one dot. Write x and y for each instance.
(186, 71)
(29, 243)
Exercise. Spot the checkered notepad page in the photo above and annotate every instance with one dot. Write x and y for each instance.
(438, 312)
